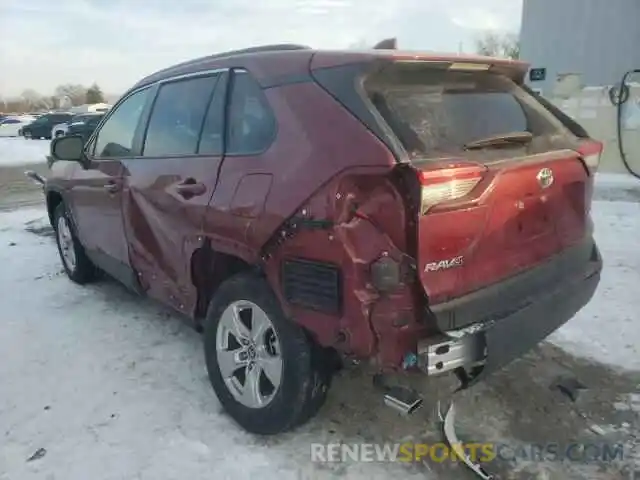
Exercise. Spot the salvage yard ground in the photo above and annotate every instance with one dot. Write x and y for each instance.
(101, 385)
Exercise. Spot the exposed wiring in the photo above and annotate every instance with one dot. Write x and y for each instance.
(619, 100)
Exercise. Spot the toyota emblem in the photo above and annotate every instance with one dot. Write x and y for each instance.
(545, 177)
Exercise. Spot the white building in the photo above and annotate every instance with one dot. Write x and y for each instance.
(89, 108)
(596, 41)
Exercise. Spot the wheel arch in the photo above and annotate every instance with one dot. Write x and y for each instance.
(53, 198)
(209, 267)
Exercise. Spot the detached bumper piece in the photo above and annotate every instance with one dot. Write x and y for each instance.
(477, 351)
(448, 423)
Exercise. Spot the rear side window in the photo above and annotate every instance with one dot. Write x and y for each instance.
(251, 125)
(9, 121)
(93, 120)
(177, 117)
(438, 111)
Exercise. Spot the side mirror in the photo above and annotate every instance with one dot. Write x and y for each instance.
(69, 148)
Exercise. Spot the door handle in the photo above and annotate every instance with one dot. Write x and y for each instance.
(111, 187)
(191, 188)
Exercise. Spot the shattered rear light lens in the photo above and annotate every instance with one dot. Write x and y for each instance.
(450, 183)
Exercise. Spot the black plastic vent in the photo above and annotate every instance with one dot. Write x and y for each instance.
(313, 285)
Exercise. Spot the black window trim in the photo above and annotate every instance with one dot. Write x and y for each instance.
(143, 122)
(226, 117)
(218, 72)
(90, 146)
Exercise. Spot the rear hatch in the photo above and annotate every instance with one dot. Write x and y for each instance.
(504, 184)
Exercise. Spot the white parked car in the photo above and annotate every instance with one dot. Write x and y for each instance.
(60, 129)
(10, 126)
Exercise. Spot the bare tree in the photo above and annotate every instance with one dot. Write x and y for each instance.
(94, 94)
(499, 45)
(32, 100)
(76, 93)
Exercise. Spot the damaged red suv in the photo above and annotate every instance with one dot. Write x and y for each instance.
(428, 214)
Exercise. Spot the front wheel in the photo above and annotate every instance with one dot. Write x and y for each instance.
(76, 264)
(261, 365)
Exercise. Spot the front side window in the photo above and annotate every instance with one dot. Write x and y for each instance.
(177, 116)
(115, 138)
(251, 124)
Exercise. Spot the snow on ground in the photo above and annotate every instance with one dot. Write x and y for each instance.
(608, 328)
(20, 151)
(114, 387)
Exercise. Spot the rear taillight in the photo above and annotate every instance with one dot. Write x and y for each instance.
(450, 183)
(591, 151)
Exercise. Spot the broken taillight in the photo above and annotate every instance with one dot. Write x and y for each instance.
(452, 182)
(591, 152)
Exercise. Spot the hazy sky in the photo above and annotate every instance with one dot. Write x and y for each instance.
(115, 42)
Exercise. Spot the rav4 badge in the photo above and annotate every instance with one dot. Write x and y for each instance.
(444, 264)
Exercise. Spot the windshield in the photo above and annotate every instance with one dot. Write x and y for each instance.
(435, 111)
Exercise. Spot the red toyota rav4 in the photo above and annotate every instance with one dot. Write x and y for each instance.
(428, 214)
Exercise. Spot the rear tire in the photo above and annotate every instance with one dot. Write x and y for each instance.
(302, 382)
(74, 259)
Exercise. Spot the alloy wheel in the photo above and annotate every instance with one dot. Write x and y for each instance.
(65, 239)
(249, 355)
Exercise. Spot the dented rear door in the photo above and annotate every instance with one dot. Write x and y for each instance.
(169, 187)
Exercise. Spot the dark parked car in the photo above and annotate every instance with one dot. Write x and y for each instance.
(84, 125)
(426, 214)
(41, 127)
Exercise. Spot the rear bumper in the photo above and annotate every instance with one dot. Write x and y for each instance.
(514, 331)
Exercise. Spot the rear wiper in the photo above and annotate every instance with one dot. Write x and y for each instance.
(505, 138)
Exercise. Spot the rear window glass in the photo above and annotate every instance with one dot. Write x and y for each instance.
(435, 111)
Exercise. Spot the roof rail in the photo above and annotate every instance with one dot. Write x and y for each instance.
(280, 47)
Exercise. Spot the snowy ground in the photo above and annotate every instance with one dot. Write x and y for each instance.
(616, 307)
(20, 151)
(113, 387)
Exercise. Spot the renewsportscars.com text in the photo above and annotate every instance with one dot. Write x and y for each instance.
(477, 452)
